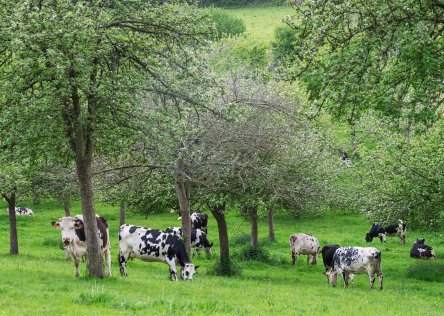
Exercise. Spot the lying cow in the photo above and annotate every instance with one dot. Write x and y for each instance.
(422, 251)
(392, 230)
(303, 244)
(355, 260)
(21, 211)
(74, 240)
(199, 239)
(154, 245)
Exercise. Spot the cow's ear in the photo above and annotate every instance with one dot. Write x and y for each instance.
(55, 224)
(196, 267)
(78, 225)
(211, 245)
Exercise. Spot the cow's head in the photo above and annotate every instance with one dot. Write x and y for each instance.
(332, 277)
(368, 237)
(68, 225)
(188, 271)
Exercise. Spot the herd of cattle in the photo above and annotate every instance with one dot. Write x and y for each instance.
(167, 246)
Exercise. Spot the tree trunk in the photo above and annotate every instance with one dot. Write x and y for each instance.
(270, 225)
(218, 213)
(13, 237)
(254, 229)
(95, 267)
(67, 208)
(122, 214)
(182, 193)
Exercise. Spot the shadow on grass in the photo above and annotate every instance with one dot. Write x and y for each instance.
(426, 270)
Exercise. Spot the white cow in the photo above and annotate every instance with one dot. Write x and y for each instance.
(303, 244)
(355, 260)
(74, 241)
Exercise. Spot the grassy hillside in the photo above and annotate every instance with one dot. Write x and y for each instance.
(41, 281)
(261, 22)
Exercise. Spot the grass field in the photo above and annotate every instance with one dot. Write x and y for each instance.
(261, 22)
(40, 281)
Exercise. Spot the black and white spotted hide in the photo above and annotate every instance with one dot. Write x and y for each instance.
(199, 221)
(355, 260)
(199, 239)
(155, 246)
(422, 251)
(399, 229)
(327, 255)
(21, 211)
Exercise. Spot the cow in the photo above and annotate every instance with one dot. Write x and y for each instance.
(20, 210)
(422, 251)
(355, 260)
(399, 229)
(198, 221)
(199, 239)
(154, 245)
(74, 240)
(305, 245)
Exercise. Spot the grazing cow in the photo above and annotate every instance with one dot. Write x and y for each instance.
(20, 210)
(422, 251)
(305, 245)
(74, 240)
(327, 255)
(199, 239)
(355, 260)
(154, 245)
(392, 230)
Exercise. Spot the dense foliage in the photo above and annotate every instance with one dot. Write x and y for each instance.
(226, 25)
(356, 56)
(239, 3)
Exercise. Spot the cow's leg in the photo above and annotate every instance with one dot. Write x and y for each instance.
(172, 265)
(294, 256)
(380, 278)
(76, 264)
(308, 258)
(123, 259)
(345, 278)
(371, 275)
(107, 254)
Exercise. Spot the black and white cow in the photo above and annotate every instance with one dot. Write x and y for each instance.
(198, 221)
(74, 240)
(399, 229)
(154, 245)
(327, 255)
(303, 244)
(355, 260)
(21, 211)
(422, 251)
(199, 239)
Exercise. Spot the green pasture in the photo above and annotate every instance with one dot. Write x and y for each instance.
(261, 22)
(40, 281)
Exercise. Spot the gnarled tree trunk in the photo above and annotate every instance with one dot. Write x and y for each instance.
(254, 228)
(95, 261)
(183, 195)
(218, 212)
(67, 208)
(270, 225)
(13, 237)
(122, 214)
